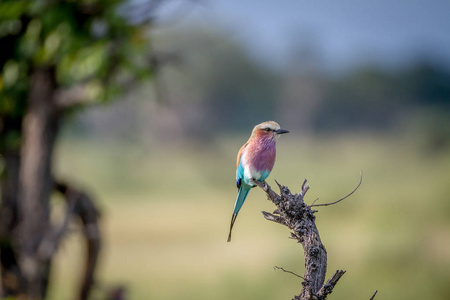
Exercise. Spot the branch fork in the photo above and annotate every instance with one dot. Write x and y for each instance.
(295, 214)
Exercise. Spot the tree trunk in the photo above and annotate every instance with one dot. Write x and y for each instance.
(10, 272)
(28, 240)
(39, 129)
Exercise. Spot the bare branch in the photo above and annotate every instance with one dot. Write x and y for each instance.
(266, 188)
(300, 219)
(305, 187)
(282, 269)
(273, 218)
(374, 294)
(328, 287)
(70, 97)
(327, 204)
(314, 202)
(85, 209)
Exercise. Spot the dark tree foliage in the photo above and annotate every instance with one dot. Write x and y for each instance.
(55, 56)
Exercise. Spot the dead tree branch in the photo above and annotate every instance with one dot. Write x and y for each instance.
(328, 287)
(327, 204)
(300, 219)
(85, 209)
(287, 271)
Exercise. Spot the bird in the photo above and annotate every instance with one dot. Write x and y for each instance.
(255, 161)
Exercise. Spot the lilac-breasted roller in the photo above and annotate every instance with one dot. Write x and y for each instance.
(255, 161)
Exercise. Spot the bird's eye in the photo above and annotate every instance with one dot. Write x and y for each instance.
(267, 129)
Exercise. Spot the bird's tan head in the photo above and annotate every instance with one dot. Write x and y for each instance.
(268, 127)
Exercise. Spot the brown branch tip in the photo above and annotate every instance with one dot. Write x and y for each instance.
(351, 193)
(287, 271)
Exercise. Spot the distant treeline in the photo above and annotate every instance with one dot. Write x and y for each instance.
(218, 86)
(373, 97)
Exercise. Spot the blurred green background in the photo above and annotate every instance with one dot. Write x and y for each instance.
(166, 212)
(160, 159)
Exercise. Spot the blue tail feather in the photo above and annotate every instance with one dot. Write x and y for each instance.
(242, 195)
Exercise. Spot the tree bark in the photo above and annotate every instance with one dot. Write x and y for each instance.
(39, 129)
(300, 219)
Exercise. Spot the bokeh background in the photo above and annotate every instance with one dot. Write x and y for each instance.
(361, 85)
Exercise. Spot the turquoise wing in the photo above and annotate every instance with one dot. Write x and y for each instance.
(239, 175)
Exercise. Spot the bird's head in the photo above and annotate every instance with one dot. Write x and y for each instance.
(268, 128)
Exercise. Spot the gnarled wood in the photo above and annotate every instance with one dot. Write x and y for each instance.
(300, 219)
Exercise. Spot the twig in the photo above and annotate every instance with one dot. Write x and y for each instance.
(282, 269)
(328, 287)
(374, 294)
(314, 202)
(305, 187)
(327, 204)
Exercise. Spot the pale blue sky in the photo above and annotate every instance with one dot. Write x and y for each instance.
(345, 31)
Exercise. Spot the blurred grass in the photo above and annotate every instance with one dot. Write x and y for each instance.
(166, 212)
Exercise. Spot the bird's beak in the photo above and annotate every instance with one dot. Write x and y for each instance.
(281, 131)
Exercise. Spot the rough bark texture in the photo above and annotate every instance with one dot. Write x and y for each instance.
(299, 218)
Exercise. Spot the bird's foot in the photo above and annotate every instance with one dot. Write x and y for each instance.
(260, 183)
